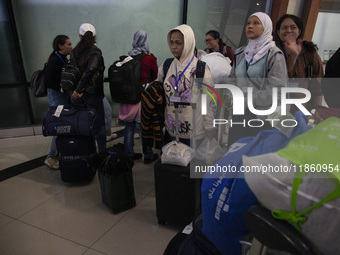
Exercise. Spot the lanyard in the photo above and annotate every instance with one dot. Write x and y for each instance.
(248, 63)
(180, 76)
(285, 54)
(60, 58)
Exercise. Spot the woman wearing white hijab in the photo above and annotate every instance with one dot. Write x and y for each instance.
(260, 65)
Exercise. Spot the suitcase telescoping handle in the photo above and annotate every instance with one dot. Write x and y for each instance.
(193, 106)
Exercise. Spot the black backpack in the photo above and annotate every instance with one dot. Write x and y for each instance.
(38, 83)
(125, 79)
(70, 75)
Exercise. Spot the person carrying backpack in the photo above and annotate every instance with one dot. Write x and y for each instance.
(179, 83)
(131, 113)
(62, 47)
(90, 88)
(215, 44)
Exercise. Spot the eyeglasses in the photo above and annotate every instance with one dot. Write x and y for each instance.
(287, 27)
(208, 40)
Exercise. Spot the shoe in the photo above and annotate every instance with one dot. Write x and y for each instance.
(137, 156)
(150, 160)
(111, 137)
(136, 136)
(52, 163)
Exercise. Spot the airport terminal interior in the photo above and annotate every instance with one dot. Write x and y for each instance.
(39, 213)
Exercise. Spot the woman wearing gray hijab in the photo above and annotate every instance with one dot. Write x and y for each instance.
(261, 66)
(132, 113)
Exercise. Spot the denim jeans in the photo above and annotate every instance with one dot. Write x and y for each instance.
(108, 114)
(148, 152)
(129, 141)
(138, 128)
(129, 138)
(55, 98)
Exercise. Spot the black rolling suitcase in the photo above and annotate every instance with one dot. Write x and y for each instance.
(75, 158)
(178, 197)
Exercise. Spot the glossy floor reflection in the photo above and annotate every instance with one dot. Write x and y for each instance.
(39, 214)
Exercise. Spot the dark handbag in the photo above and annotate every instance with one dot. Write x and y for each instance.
(115, 178)
(38, 83)
(73, 119)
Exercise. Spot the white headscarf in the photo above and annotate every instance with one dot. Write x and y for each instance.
(259, 47)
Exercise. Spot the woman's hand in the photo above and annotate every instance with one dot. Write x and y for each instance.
(75, 95)
(292, 45)
(293, 50)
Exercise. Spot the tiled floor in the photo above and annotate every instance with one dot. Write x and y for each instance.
(39, 214)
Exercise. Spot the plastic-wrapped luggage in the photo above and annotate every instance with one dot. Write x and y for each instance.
(304, 185)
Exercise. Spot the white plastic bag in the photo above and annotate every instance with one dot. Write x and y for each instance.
(209, 151)
(219, 66)
(274, 190)
(177, 153)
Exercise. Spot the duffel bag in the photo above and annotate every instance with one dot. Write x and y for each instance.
(71, 120)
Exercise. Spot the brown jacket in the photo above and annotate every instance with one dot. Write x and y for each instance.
(305, 59)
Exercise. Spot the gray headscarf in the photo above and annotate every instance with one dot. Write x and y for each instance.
(140, 43)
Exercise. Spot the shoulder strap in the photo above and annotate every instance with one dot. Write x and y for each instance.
(236, 55)
(60, 58)
(200, 68)
(224, 50)
(139, 56)
(166, 66)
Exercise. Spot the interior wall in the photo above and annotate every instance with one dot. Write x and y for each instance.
(295, 7)
(326, 34)
(116, 21)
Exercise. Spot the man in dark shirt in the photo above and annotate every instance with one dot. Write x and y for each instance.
(331, 87)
